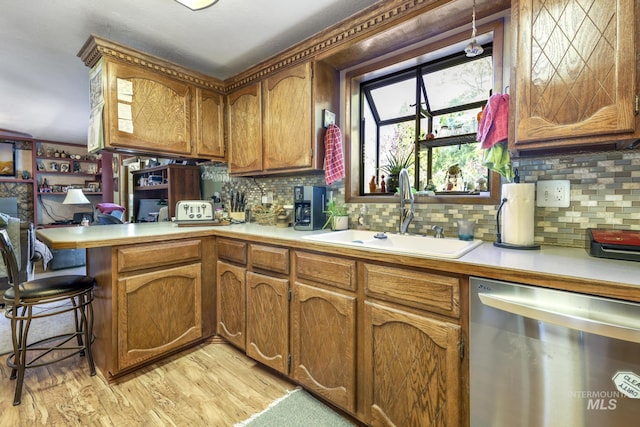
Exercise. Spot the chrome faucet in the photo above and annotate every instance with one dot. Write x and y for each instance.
(406, 195)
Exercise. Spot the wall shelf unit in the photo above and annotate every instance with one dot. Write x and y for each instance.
(165, 184)
(56, 167)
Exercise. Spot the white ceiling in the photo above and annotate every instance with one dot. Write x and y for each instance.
(44, 85)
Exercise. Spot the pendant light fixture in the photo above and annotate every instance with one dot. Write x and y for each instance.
(197, 4)
(473, 48)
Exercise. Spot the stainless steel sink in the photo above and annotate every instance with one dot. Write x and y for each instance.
(397, 243)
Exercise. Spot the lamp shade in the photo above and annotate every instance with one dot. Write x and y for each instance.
(197, 4)
(75, 196)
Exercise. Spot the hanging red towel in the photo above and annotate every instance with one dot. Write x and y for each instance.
(494, 124)
(333, 157)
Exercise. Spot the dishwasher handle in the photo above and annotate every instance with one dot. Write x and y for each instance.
(573, 321)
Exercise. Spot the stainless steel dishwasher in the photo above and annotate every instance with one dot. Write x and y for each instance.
(542, 358)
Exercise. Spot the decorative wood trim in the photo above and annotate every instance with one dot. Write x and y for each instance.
(338, 38)
(362, 25)
(97, 47)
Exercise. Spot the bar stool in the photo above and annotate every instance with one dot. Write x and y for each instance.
(62, 294)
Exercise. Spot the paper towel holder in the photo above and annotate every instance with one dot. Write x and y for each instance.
(499, 243)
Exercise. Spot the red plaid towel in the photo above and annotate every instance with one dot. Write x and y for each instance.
(494, 124)
(333, 158)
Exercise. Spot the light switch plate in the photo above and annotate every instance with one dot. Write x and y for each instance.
(553, 193)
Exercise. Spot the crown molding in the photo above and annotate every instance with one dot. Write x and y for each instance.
(378, 29)
(97, 47)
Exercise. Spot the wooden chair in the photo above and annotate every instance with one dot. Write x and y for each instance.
(62, 294)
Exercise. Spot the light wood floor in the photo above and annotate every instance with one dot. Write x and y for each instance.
(209, 385)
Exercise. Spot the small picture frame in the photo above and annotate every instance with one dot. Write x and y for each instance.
(92, 186)
(7, 158)
(64, 167)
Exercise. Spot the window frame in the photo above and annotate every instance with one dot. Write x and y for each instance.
(398, 63)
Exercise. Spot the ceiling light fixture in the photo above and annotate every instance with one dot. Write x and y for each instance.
(197, 4)
(473, 48)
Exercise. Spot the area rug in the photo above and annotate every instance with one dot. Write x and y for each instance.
(296, 409)
(39, 329)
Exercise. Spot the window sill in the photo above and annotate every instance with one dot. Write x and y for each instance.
(482, 198)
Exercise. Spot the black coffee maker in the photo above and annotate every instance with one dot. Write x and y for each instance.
(309, 204)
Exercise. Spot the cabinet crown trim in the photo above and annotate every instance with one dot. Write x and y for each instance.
(97, 47)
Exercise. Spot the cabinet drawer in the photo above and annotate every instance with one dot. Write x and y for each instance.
(232, 250)
(139, 257)
(426, 291)
(332, 271)
(270, 258)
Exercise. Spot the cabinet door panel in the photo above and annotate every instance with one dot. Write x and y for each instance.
(245, 129)
(268, 320)
(575, 70)
(154, 117)
(209, 124)
(157, 312)
(231, 303)
(412, 365)
(287, 119)
(323, 343)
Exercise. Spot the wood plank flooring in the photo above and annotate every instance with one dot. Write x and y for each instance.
(209, 385)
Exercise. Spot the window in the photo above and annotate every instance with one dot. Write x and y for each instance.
(430, 110)
(426, 112)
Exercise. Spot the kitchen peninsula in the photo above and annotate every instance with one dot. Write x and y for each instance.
(158, 286)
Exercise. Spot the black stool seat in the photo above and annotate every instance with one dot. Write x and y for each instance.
(46, 297)
(50, 287)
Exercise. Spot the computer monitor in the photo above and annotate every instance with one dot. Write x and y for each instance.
(78, 217)
(146, 207)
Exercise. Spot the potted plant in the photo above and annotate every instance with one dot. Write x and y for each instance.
(337, 216)
(395, 163)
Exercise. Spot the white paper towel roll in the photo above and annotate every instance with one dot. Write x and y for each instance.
(518, 214)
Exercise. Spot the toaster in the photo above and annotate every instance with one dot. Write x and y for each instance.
(194, 210)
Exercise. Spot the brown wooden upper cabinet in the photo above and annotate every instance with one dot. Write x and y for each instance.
(146, 111)
(244, 108)
(209, 124)
(152, 106)
(276, 125)
(576, 82)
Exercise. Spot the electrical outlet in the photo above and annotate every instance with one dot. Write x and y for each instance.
(553, 193)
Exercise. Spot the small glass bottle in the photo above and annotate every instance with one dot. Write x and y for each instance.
(362, 218)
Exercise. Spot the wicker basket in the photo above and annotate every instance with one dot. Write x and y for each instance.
(265, 218)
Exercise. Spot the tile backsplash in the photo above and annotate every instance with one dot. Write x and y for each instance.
(605, 193)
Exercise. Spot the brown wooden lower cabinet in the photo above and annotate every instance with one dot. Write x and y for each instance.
(323, 343)
(268, 320)
(412, 368)
(380, 340)
(157, 312)
(147, 306)
(231, 303)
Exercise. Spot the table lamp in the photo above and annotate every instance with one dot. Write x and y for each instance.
(75, 196)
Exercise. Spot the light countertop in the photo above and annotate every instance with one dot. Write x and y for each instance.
(550, 262)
